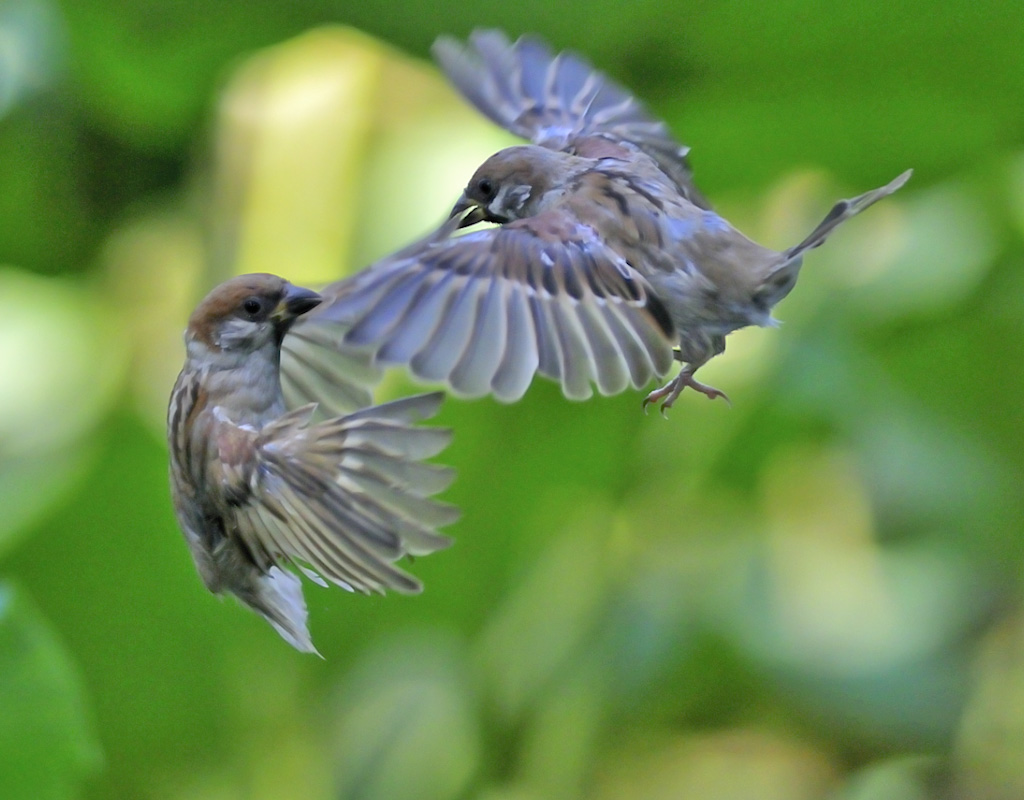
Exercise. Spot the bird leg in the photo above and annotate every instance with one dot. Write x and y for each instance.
(671, 390)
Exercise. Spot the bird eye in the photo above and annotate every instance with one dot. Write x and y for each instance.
(252, 306)
(486, 188)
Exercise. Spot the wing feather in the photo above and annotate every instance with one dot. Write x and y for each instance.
(421, 321)
(558, 101)
(347, 497)
(543, 295)
(438, 357)
(480, 360)
(315, 369)
(520, 360)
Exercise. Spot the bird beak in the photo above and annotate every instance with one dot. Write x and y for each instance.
(476, 212)
(296, 302)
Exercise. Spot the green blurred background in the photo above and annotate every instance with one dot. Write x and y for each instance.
(814, 593)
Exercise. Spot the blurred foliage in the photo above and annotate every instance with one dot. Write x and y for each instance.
(46, 741)
(813, 594)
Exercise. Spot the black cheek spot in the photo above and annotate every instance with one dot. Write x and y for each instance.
(760, 301)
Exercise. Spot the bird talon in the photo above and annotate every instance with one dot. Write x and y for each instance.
(670, 392)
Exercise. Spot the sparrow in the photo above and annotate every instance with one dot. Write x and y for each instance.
(604, 263)
(259, 488)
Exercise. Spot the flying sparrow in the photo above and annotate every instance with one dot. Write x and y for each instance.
(257, 487)
(606, 263)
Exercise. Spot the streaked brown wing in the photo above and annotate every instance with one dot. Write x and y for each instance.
(347, 497)
(484, 312)
(557, 101)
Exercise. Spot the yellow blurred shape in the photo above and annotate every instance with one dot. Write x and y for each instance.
(917, 252)
(509, 793)
(991, 738)
(862, 251)
(750, 356)
(288, 765)
(291, 129)
(833, 601)
(60, 362)
(560, 740)
(792, 207)
(741, 764)
(332, 149)
(427, 145)
(154, 277)
(276, 751)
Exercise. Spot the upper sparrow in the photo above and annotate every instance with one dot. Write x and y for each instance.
(257, 487)
(605, 257)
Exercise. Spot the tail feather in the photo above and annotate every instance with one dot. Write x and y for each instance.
(277, 595)
(842, 211)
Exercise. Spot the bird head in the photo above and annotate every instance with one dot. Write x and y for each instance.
(512, 184)
(248, 313)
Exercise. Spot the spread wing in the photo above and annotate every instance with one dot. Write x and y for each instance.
(484, 312)
(337, 379)
(342, 499)
(557, 101)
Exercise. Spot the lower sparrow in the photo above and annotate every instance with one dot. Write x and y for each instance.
(258, 488)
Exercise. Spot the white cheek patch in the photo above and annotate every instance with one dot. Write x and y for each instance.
(510, 199)
(234, 333)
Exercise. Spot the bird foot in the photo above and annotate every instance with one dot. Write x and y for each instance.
(671, 390)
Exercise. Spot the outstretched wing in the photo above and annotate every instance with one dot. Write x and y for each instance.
(557, 101)
(317, 366)
(342, 499)
(482, 313)
(337, 379)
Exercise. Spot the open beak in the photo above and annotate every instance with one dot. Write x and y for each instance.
(296, 302)
(476, 212)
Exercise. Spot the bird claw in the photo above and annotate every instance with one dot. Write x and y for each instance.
(671, 391)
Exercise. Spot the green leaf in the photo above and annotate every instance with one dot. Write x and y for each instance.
(407, 729)
(47, 744)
